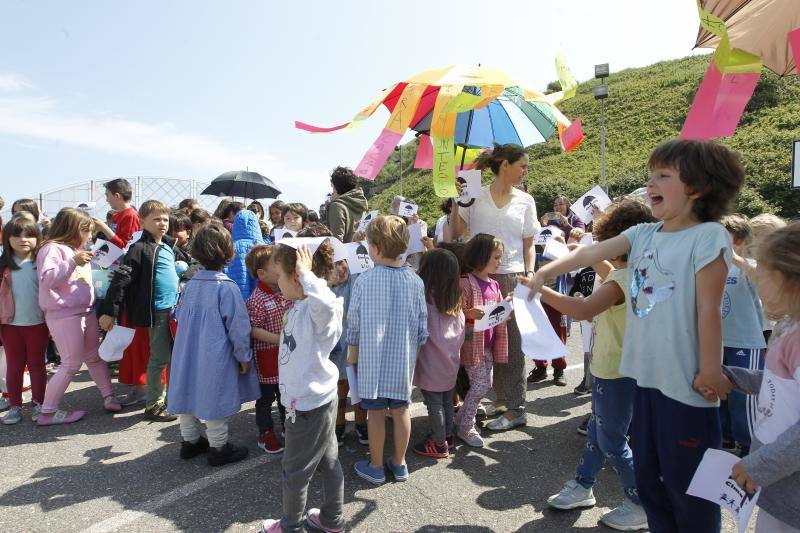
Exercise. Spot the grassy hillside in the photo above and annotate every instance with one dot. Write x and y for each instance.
(646, 105)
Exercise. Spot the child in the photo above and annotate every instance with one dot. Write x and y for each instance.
(613, 394)
(180, 229)
(23, 329)
(673, 340)
(266, 307)
(762, 225)
(211, 375)
(126, 220)
(246, 234)
(146, 289)
(481, 350)
(438, 360)
(387, 323)
(308, 389)
(294, 216)
(742, 339)
(66, 297)
(774, 463)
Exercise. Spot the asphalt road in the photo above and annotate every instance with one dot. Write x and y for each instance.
(120, 473)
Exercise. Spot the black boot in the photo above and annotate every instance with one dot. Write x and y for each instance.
(191, 450)
(227, 454)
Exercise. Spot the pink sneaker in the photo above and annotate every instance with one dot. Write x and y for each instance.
(59, 417)
(271, 526)
(111, 404)
(312, 519)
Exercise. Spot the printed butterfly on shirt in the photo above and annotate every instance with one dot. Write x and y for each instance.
(644, 292)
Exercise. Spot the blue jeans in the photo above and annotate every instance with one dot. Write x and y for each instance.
(607, 437)
(737, 414)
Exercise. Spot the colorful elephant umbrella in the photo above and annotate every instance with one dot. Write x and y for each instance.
(458, 106)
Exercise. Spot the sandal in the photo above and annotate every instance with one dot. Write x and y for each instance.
(59, 417)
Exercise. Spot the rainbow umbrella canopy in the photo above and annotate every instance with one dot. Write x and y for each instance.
(466, 107)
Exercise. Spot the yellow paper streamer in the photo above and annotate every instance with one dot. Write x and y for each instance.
(443, 128)
(406, 107)
(367, 111)
(728, 60)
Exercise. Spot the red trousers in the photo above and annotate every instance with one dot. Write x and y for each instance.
(25, 346)
(561, 331)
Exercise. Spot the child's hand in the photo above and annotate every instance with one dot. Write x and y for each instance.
(359, 236)
(106, 322)
(576, 235)
(712, 385)
(82, 257)
(427, 242)
(304, 260)
(244, 368)
(474, 314)
(534, 283)
(742, 478)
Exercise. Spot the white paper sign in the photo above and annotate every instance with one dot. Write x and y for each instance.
(407, 209)
(554, 249)
(105, 253)
(470, 184)
(415, 244)
(89, 207)
(358, 259)
(587, 239)
(134, 238)
(712, 481)
(352, 380)
(312, 243)
(493, 314)
(539, 339)
(362, 225)
(115, 343)
(283, 233)
(547, 233)
(583, 207)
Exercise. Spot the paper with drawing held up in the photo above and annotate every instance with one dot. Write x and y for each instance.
(493, 314)
(539, 340)
(115, 343)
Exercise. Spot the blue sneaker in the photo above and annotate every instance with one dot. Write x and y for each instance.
(372, 474)
(400, 472)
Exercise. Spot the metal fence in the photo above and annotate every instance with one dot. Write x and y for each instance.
(168, 190)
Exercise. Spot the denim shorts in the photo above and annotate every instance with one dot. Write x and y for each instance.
(382, 403)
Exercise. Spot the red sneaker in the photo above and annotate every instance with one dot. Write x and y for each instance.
(431, 448)
(270, 443)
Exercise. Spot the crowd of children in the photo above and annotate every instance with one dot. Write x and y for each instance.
(692, 314)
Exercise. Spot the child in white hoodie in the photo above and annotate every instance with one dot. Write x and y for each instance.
(308, 385)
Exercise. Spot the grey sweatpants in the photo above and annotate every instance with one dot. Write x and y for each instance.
(440, 413)
(509, 378)
(311, 445)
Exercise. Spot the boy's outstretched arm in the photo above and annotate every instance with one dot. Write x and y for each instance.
(606, 296)
(710, 284)
(579, 258)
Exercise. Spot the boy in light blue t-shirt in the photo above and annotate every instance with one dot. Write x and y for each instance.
(742, 338)
(673, 339)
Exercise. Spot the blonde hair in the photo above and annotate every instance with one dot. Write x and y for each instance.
(68, 225)
(153, 207)
(761, 226)
(780, 252)
(389, 234)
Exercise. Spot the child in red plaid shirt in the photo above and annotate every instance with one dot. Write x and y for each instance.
(266, 307)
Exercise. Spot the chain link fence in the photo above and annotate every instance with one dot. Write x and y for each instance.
(168, 190)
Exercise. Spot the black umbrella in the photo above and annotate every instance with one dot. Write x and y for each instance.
(244, 184)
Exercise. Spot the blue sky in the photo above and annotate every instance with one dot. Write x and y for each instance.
(92, 89)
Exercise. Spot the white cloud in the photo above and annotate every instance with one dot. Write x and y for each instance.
(11, 82)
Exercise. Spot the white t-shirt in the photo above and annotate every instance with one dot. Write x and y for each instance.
(513, 222)
(439, 231)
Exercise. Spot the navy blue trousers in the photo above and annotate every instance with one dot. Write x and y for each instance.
(669, 440)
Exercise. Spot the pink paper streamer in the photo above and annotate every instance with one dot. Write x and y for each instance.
(794, 41)
(424, 153)
(572, 137)
(377, 154)
(718, 104)
(316, 129)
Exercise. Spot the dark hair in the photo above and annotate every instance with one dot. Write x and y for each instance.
(321, 262)
(199, 216)
(257, 258)
(440, 274)
(343, 180)
(446, 206)
(296, 208)
(708, 169)
(738, 225)
(19, 225)
(256, 207)
(313, 216)
(620, 216)
(26, 204)
(188, 204)
(179, 220)
(458, 249)
(110, 215)
(231, 209)
(502, 152)
(221, 206)
(479, 251)
(212, 247)
(315, 229)
(120, 186)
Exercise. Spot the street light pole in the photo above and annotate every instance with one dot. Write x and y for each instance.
(601, 93)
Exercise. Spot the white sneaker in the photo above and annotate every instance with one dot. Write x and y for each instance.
(4, 403)
(572, 496)
(501, 423)
(13, 416)
(470, 437)
(37, 410)
(627, 517)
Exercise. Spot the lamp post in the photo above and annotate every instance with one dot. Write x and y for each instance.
(601, 93)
